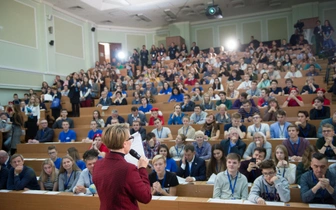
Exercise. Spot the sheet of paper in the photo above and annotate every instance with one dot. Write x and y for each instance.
(81, 194)
(35, 192)
(181, 180)
(30, 159)
(275, 203)
(212, 179)
(4, 191)
(234, 201)
(247, 202)
(215, 200)
(321, 206)
(52, 193)
(168, 198)
(138, 147)
(155, 197)
(103, 108)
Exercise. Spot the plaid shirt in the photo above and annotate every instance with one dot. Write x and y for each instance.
(151, 152)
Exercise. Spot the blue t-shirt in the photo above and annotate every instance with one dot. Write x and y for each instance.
(67, 137)
(166, 91)
(171, 165)
(81, 164)
(57, 163)
(147, 109)
(92, 133)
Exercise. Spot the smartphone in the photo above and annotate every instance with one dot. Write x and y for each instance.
(253, 160)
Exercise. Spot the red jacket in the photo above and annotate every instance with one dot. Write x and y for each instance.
(120, 184)
(151, 120)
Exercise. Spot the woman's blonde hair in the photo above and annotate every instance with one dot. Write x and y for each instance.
(285, 151)
(199, 133)
(115, 136)
(44, 176)
(158, 157)
(221, 106)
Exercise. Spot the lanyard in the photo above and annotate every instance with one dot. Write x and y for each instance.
(234, 185)
(90, 179)
(178, 154)
(67, 180)
(163, 181)
(269, 194)
(255, 128)
(295, 151)
(159, 134)
(185, 133)
(282, 131)
(283, 173)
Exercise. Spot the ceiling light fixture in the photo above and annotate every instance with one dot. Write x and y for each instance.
(170, 13)
(143, 17)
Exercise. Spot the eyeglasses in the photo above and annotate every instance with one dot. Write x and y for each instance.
(268, 174)
(326, 131)
(131, 138)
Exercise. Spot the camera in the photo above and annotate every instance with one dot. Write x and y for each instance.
(253, 160)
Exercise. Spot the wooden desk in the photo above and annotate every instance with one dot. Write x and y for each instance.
(19, 200)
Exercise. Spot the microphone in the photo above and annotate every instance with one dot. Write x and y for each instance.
(137, 156)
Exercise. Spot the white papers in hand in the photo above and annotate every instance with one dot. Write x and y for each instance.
(181, 180)
(212, 179)
(138, 147)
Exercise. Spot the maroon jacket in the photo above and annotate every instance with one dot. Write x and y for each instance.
(120, 184)
(302, 147)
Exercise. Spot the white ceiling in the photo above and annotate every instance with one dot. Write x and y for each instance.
(124, 12)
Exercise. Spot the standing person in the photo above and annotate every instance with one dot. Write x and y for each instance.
(231, 184)
(328, 30)
(144, 57)
(56, 110)
(318, 185)
(17, 125)
(129, 183)
(74, 94)
(162, 181)
(318, 36)
(32, 110)
(85, 93)
(269, 186)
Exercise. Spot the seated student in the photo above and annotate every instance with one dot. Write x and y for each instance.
(254, 91)
(187, 105)
(69, 174)
(211, 128)
(293, 99)
(21, 177)
(52, 152)
(331, 121)
(327, 144)
(222, 116)
(170, 162)
(176, 96)
(104, 100)
(73, 152)
(135, 115)
(319, 112)
(49, 176)
(136, 127)
(176, 152)
(85, 179)
(235, 122)
(155, 113)
(231, 184)
(224, 100)
(162, 182)
(162, 133)
(202, 148)
(304, 166)
(176, 117)
(274, 89)
(283, 167)
(306, 130)
(318, 185)
(246, 84)
(64, 117)
(94, 130)
(3, 176)
(238, 103)
(114, 116)
(234, 144)
(295, 145)
(192, 168)
(270, 113)
(259, 140)
(217, 162)
(199, 116)
(99, 146)
(45, 134)
(67, 135)
(310, 87)
(119, 99)
(151, 145)
(145, 107)
(279, 128)
(269, 186)
(250, 168)
(320, 93)
(247, 111)
(187, 129)
(289, 86)
(258, 127)
(264, 98)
